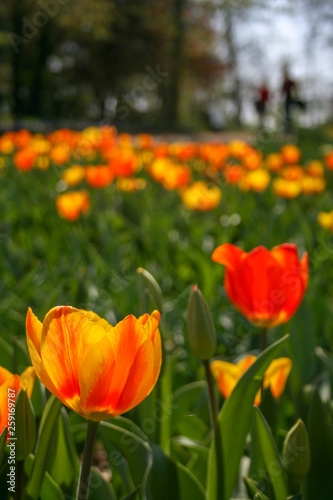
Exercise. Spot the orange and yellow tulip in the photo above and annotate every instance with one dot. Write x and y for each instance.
(227, 375)
(72, 204)
(97, 370)
(266, 286)
(291, 154)
(201, 196)
(14, 383)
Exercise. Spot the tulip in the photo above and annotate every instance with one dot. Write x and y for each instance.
(227, 375)
(10, 385)
(266, 286)
(97, 370)
(325, 219)
(72, 204)
(201, 196)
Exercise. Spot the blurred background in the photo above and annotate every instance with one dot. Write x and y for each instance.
(176, 65)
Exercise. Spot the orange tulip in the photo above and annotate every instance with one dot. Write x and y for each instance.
(10, 383)
(228, 374)
(329, 160)
(99, 176)
(266, 286)
(24, 159)
(291, 153)
(71, 205)
(97, 370)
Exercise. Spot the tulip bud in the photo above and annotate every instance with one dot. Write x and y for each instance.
(200, 326)
(25, 428)
(148, 284)
(296, 454)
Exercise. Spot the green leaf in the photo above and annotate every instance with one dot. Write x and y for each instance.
(100, 489)
(63, 464)
(183, 419)
(169, 479)
(46, 429)
(326, 357)
(318, 483)
(25, 421)
(133, 494)
(50, 490)
(253, 488)
(234, 423)
(130, 447)
(3, 438)
(271, 457)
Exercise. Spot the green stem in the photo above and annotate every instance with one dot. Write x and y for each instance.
(263, 344)
(84, 479)
(212, 397)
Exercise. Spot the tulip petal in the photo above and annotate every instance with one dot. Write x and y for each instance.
(246, 362)
(4, 375)
(233, 257)
(263, 279)
(151, 325)
(28, 379)
(228, 255)
(34, 332)
(276, 375)
(117, 374)
(227, 376)
(294, 276)
(66, 336)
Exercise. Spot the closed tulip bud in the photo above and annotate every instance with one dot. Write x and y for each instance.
(25, 429)
(200, 326)
(296, 454)
(148, 284)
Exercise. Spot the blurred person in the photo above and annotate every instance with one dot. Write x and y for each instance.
(289, 93)
(261, 103)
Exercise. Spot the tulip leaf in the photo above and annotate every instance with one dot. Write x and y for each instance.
(130, 447)
(326, 357)
(233, 425)
(184, 419)
(63, 464)
(25, 421)
(46, 429)
(169, 479)
(272, 460)
(253, 488)
(100, 489)
(318, 483)
(133, 494)
(3, 438)
(50, 489)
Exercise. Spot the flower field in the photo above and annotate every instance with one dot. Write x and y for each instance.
(166, 318)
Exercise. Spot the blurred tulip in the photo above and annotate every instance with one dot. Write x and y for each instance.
(286, 188)
(227, 375)
(99, 176)
(97, 370)
(201, 196)
(72, 204)
(266, 286)
(325, 220)
(290, 153)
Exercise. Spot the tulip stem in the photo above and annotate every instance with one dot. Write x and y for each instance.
(84, 479)
(263, 339)
(212, 396)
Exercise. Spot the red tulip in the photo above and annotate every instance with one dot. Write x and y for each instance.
(266, 286)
